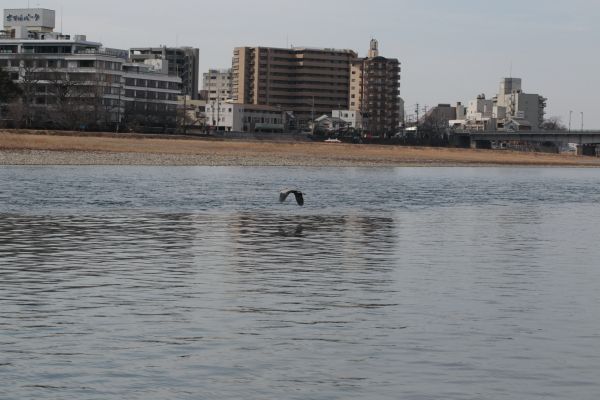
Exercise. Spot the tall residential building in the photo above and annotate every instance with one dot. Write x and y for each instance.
(217, 85)
(183, 62)
(309, 82)
(375, 91)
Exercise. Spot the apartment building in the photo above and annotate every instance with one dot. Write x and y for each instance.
(216, 83)
(183, 62)
(72, 77)
(375, 92)
(149, 90)
(308, 82)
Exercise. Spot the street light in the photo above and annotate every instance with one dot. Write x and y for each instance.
(570, 119)
(582, 121)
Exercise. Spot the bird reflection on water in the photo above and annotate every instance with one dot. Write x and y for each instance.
(285, 231)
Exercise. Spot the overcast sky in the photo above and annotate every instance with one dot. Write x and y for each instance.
(451, 50)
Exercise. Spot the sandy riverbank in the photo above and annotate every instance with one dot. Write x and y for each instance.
(51, 148)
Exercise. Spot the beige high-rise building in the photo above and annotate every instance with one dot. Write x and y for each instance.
(217, 84)
(375, 91)
(309, 82)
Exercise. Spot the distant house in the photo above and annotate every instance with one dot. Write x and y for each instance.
(327, 124)
(518, 125)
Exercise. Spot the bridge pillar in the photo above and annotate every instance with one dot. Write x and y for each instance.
(481, 144)
(587, 150)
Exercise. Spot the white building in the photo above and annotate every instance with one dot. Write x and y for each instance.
(514, 104)
(217, 84)
(510, 109)
(402, 110)
(232, 117)
(352, 118)
(480, 108)
(55, 69)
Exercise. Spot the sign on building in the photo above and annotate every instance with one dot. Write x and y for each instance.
(30, 18)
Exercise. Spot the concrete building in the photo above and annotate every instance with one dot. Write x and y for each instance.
(149, 89)
(375, 92)
(183, 62)
(352, 118)
(510, 109)
(217, 84)
(62, 74)
(512, 103)
(480, 108)
(235, 117)
(22, 20)
(309, 82)
(440, 115)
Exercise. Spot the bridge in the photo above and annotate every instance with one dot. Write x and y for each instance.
(587, 141)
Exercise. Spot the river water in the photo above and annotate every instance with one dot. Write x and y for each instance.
(196, 283)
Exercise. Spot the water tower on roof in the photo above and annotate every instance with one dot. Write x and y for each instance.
(374, 49)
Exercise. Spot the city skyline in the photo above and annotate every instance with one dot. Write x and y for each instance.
(449, 52)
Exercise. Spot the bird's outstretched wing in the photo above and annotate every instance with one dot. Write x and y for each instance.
(298, 194)
(284, 195)
(299, 198)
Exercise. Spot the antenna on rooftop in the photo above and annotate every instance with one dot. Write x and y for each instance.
(61, 19)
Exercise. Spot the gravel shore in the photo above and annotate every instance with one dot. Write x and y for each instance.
(46, 157)
(27, 148)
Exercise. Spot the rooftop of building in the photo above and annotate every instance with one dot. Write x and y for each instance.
(253, 107)
(302, 49)
(161, 48)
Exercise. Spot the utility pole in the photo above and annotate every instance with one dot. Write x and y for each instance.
(417, 125)
(185, 113)
(570, 119)
(218, 103)
(313, 115)
(339, 119)
(212, 107)
(119, 106)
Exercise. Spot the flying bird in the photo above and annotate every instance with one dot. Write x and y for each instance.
(298, 194)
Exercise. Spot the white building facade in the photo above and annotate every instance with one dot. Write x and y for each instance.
(353, 118)
(232, 117)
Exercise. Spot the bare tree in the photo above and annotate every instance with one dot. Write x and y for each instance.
(553, 124)
(9, 92)
(77, 100)
(434, 129)
(29, 83)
